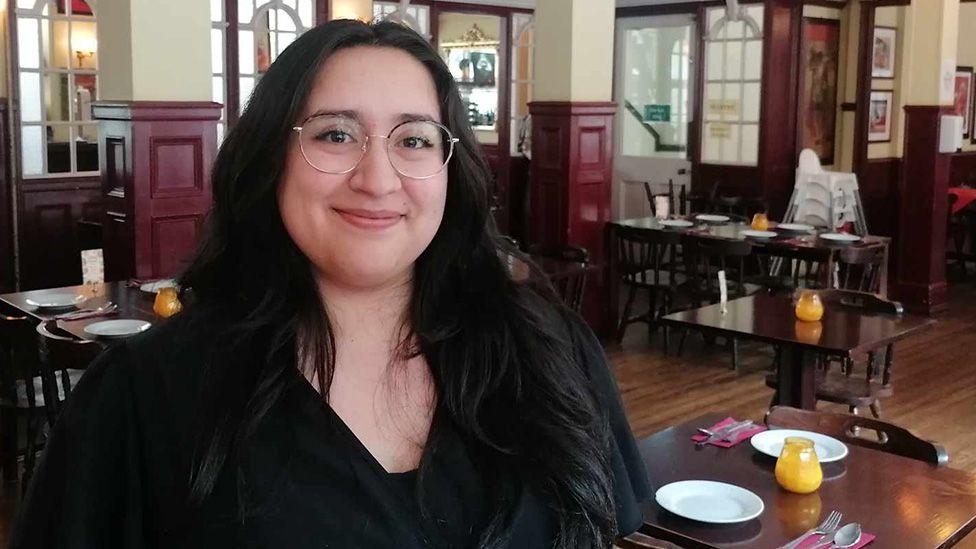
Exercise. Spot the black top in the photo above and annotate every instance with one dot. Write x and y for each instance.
(114, 471)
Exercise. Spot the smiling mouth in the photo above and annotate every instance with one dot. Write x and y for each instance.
(369, 219)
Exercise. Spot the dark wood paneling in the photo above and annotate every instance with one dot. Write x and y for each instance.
(879, 185)
(155, 182)
(733, 180)
(571, 174)
(920, 246)
(863, 100)
(48, 229)
(7, 266)
(519, 209)
(962, 168)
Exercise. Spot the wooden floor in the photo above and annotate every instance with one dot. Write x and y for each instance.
(934, 379)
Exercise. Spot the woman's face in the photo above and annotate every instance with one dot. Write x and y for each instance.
(365, 228)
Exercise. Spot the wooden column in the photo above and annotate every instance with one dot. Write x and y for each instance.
(571, 174)
(7, 266)
(155, 159)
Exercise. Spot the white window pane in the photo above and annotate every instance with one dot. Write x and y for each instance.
(217, 50)
(284, 40)
(26, 4)
(713, 92)
(734, 29)
(306, 13)
(30, 97)
(714, 14)
(245, 11)
(750, 144)
(28, 43)
(32, 150)
(247, 86)
(750, 102)
(284, 20)
(216, 10)
(733, 60)
(246, 52)
(730, 145)
(733, 98)
(291, 4)
(753, 66)
(714, 61)
(218, 89)
(711, 145)
(221, 130)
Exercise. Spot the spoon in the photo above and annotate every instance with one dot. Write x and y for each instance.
(846, 537)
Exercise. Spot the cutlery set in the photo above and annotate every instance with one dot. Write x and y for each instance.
(832, 535)
(727, 433)
(82, 314)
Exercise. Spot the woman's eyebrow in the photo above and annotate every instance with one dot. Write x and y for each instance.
(414, 117)
(355, 115)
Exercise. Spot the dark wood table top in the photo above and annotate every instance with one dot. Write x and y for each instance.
(132, 303)
(733, 231)
(904, 502)
(841, 331)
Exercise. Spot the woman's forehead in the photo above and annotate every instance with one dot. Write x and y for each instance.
(376, 85)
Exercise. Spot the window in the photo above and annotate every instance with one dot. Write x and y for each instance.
(733, 80)
(58, 78)
(415, 14)
(523, 78)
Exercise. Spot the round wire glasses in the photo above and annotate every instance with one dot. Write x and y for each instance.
(336, 144)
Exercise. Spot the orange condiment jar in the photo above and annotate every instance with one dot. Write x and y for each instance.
(798, 469)
(167, 303)
(808, 332)
(809, 308)
(760, 222)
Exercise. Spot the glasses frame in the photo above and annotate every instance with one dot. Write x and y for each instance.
(450, 152)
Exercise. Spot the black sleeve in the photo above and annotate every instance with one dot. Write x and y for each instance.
(631, 487)
(87, 490)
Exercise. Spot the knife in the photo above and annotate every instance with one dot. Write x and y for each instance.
(718, 434)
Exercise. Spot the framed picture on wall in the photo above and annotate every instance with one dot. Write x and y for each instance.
(818, 86)
(883, 52)
(962, 104)
(879, 116)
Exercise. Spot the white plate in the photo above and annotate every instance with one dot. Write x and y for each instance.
(710, 218)
(827, 448)
(120, 327)
(757, 234)
(795, 227)
(678, 223)
(55, 300)
(709, 501)
(154, 287)
(840, 237)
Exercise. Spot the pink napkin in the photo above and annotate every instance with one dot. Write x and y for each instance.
(814, 538)
(739, 436)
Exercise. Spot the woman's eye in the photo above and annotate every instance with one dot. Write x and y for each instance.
(334, 136)
(415, 143)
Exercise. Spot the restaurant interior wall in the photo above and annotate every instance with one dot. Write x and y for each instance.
(351, 9)
(966, 56)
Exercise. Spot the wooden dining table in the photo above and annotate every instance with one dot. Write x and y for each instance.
(131, 301)
(906, 503)
(842, 332)
(784, 241)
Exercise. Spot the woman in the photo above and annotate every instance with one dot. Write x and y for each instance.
(356, 368)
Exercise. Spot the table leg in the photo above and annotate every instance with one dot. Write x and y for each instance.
(797, 378)
(883, 285)
(613, 283)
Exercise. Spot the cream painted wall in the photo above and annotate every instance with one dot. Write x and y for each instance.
(115, 50)
(966, 50)
(892, 16)
(3, 48)
(351, 9)
(574, 50)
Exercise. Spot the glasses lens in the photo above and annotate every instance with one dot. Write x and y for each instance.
(419, 149)
(332, 144)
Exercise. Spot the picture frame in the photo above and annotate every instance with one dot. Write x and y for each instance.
(819, 67)
(883, 51)
(879, 116)
(962, 104)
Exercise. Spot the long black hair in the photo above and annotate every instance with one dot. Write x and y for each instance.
(503, 371)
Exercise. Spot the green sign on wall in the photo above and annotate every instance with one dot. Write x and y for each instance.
(657, 113)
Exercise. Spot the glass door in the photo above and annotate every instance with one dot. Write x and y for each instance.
(653, 88)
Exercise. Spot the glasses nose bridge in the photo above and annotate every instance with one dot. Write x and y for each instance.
(366, 148)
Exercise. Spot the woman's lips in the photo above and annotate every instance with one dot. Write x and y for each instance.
(369, 219)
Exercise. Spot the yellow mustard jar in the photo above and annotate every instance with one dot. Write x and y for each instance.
(798, 469)
(167, 303)
(809, 308)
(760, 222)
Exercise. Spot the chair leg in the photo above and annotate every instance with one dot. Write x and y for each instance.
(8, 441)
(29, 456)
(632, 292)
(681, 342)
(876, 409)
(734, 344)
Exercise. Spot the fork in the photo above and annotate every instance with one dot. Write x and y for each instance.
(88, 313)
(830, 525)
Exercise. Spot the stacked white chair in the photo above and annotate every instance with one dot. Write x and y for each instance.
(825, 199)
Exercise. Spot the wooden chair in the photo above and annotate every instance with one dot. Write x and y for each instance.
(677, 201)
(569, 286)
(859, 268)
(895, 440)
(645, 262)
(732, 206)
(638, 540)
(63, 360)
(783, 270)
(844, 387)
(704, 258)
(704, 202)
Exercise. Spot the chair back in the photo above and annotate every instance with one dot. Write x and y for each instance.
(643, 257)
(859, 268)
(867, 302)
(805, 267)
(705, 257)
(18, 359)
(669, 194)
(569, 284)
(892, 438)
